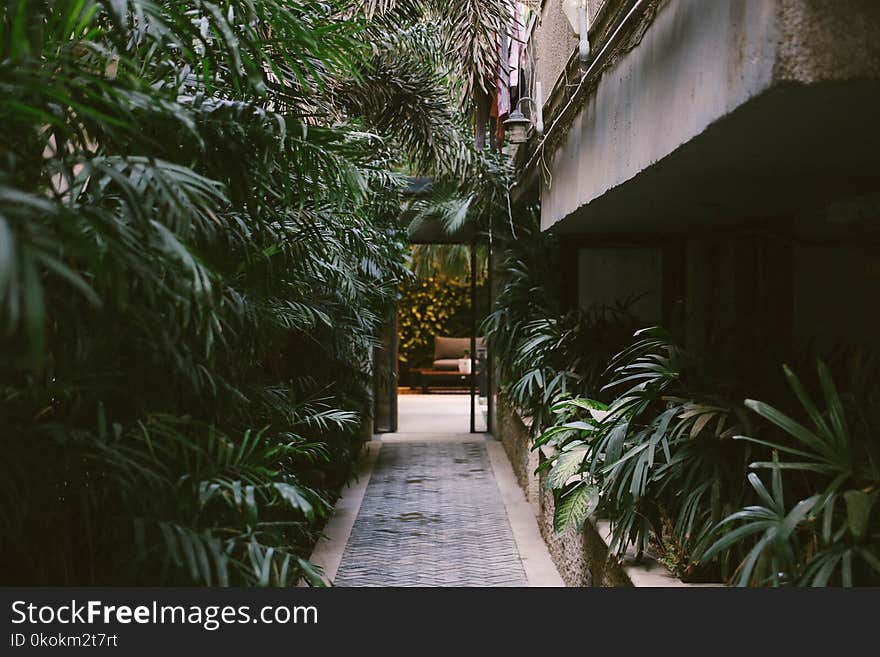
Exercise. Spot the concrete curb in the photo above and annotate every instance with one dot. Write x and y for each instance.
(539, 567)
(331, 546)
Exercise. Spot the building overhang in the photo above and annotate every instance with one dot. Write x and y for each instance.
(722, 112)
(794, 150)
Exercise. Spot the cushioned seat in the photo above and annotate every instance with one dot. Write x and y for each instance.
(445, 372)
(447, 351)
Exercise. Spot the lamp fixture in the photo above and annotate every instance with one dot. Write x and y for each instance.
(577, 15)
(518, 125)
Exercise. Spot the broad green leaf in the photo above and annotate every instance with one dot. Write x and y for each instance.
(575, 507)
(566, 465)
(789, 425)
(311, 573)
(859, 505)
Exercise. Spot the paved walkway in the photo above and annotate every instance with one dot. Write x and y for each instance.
(438, 413)
(434, 510)
(432, 516)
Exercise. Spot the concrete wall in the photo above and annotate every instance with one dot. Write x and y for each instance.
(824, 41)
(514, 434)
(552, 42)
(836, 293)
(697, 62)
(629, 154)
(835, 274)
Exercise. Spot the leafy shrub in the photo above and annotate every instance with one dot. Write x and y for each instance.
(830, 467)
(196, 247)
(660, 457)
(665, 461)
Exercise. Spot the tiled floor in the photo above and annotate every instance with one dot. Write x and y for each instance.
(434, 505)
(432, 515)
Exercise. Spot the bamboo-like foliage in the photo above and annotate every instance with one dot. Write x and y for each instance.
(467, 32)
(197, 242)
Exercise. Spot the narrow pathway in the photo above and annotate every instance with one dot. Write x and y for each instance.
(434, 507)
(432, 515)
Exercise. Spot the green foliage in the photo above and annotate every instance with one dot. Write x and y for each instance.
(661, 453)
(195, 251)
(667, 458)
(447, 261)
(831, 535)
(575, 506)
(543, 351)
(428, 308)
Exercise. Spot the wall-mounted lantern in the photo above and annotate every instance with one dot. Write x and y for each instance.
(518, 126)
(577, 15)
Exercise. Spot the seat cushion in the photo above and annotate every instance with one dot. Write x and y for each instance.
(452, 348)
(446, 364)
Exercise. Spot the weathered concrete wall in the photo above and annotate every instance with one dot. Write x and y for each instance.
(835, 273)
(823, 41)
(580, 556)
(553, 41)
(769, 62)
(514, 435)
(697, 62)
(607, 276)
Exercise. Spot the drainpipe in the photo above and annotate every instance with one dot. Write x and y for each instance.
(473, 336)
(539, 108)
(584, 32)
(578, 17)
(634, 11)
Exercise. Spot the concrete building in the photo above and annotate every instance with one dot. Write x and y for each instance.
(718, 156)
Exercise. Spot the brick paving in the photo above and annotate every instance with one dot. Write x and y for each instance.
(432, 515)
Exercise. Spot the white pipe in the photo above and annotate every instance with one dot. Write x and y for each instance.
(586, 74)
(539, 108)
(584, 32)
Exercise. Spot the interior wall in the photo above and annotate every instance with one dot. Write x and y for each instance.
(738, 290)
(836, 273)
(837, 293)
(609, 276)
(770, 284)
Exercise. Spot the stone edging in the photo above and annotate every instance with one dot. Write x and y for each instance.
(329, 549)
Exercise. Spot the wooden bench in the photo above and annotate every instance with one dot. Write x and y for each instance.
(426, 377)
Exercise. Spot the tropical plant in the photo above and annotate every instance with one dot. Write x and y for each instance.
(664, 461)
(197, 243)
(448, 261)
(832, 532)
(660, 455)
(545, 351)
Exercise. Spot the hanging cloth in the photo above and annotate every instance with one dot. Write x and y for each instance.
(516, 45)
(502, 81)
